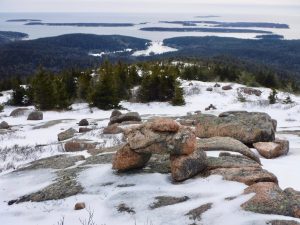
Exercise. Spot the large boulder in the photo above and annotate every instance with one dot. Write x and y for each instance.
(67, 134)
(270, 199)
(186, 166)
(127, 159)
(226, 144)
(4, 125)
(131, 116)
(247, 127)
(78, 145)
(164, 125)
(273, 149)
(113, 129)
(35, 115)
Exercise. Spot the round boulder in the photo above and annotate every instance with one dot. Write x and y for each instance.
(36, 115)
(83, 123)
(4, 125)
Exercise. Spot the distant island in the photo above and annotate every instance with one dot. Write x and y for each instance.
(82, 24)
(270, 36)
(208, 16)
(201, 29)
(23, 20)
(230, 24)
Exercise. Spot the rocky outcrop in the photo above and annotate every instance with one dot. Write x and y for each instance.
(162, 201)
(35, 115)
(162, 136)
(119, 118)
(226, 144)
(83, 123)
(273, 149)
(270, 199)
(4, 125)
(246, 175)
(247, 127)
(67, 134)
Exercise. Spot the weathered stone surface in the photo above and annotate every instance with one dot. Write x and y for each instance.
(131, 116)
(246, 175)
(270, 199)
(247, 127)
(226, 144)
(67, 134)
(126, 159)
(195, 214)
(164, 125)
(144, 140)
(79, 206)
(162, 201)
(226, 87)
(78, 145)
(230, 161)
(54, 162)
(35, 115)
(4, 125)
(113, 129)
(273, 149)
(19, 112)
(83, 122)
(185, 167)
(251, 91)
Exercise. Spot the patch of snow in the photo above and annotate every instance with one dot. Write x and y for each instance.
(109, 53)
(155, 48)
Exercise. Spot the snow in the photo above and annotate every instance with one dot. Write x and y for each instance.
(155, 48)
(103, 199)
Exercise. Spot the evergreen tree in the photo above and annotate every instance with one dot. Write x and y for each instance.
(178, 98)
(43, 91)
(61, 95)
(18, 96)
(273, 97)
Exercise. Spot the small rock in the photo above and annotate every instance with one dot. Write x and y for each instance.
(115, 112)
(251, 91)
(4, 125)
(185, 167)
(36, 115)
(125, 208)
(83, 123)
(210, 107)
(66, 134)
(167, 200)
(164, 125)
(217, 85)
(126, 159)
(272, 150)
(197, 212)
(113, 129)
(131, 116)
(75, 146)
(209, 89)
(84, 129)
(226, 87)
(79, 206)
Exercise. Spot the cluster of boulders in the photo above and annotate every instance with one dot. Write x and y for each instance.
(31, 115)
(161, 136)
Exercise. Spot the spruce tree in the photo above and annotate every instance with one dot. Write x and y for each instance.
(273, 97)
(178, 98)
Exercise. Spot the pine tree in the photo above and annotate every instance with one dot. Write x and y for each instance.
(61, 95)
(273, 97)
(178, 98)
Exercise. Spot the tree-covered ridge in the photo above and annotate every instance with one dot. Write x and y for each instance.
(62, 52)
(8, 36)
(111, 83)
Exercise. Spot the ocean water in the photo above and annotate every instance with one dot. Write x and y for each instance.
(288, 15)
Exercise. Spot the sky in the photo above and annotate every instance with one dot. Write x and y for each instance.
(128, 5)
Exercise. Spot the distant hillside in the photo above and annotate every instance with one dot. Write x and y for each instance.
(283, 55)
(8, 36)
(66, 51)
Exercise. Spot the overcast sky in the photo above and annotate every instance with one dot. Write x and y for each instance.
(125, 5)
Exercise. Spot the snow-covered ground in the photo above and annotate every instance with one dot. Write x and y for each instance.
(155, 48)
(103, 200)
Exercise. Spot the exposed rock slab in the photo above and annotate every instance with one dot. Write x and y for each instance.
(67, 134)
(270, 199)
(162, 201)
(226, 144)
(195, 214)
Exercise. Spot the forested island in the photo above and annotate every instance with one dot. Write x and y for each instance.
(82, 24)
(203, 29)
